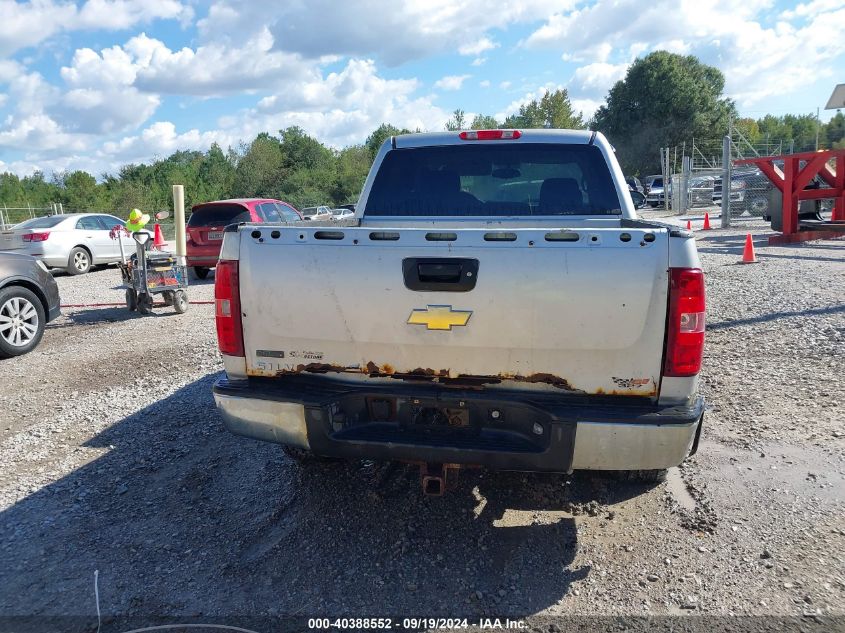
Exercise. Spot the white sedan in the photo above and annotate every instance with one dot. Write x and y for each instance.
(72, 241)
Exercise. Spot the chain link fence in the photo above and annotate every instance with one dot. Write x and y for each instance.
(9, 216)
(697, 170)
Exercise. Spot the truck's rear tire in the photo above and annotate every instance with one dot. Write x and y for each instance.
(201, 271)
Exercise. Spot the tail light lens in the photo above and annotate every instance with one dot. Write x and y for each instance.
(685, 337)
(489, 135)
(227, 308)
(36, 237)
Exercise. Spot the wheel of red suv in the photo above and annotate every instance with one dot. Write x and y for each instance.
(79, 261)
(201, 272)
(21, 321)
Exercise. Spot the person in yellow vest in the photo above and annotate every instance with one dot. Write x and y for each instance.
(137, 220)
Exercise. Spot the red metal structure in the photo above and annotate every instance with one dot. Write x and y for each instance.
(791, 182)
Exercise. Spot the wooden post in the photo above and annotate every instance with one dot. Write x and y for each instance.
(179, 219)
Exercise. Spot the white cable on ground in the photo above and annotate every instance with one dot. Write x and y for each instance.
(97, 596)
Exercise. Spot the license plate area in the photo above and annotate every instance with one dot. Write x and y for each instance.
(431, 416)
(440, 421)
(215, 235)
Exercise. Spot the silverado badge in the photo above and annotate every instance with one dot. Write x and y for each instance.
(439, 317)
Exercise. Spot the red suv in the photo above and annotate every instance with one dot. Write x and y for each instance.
(207, 221)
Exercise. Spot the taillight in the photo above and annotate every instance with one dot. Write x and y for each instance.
(227, 308)
(489, 135)
(685, 337)
(36, 237)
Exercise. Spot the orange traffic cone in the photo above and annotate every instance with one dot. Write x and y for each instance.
(158, 238)
(689, 225)
(748, 256)
(706, 222)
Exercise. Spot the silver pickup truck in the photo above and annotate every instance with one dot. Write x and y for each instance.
(495, 301)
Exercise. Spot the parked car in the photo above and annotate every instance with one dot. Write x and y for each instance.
(208, 220)
(637, 198)
(29, 299)
(517, 346)
(634, 184)
(72, 241)
(317, 213)
(752, 193)
(654, 193)
(342, 214)
(700, 191)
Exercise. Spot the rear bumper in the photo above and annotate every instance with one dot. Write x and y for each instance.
(531, 432)
(206, 255)
(207, 262)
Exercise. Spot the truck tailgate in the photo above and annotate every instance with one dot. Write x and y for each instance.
(581, 309)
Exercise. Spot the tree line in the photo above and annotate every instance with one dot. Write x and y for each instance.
(664, 100)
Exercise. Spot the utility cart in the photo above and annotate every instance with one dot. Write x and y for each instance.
(147, 273)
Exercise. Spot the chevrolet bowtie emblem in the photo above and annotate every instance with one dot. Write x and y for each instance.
(439, 317)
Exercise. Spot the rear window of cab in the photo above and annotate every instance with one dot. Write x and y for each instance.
(522, 179)
(218, 215)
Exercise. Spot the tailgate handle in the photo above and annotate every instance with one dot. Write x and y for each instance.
(452, 274)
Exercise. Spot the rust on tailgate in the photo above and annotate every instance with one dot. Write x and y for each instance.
(635, 387)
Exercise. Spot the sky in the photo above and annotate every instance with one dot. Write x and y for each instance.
(97, 84)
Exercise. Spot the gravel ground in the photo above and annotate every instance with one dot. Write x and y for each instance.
(113, 459)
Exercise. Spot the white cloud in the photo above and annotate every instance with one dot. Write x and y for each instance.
(25, 24)
(451, 82)
(598, 77)
(756, 60)
(357, 86)
(537, 94)
(216, 69)
(38, 132)
(475, 49)
(160, 139)
(812, 9)
(587, 107)
(394, 31)
(485, 83)
(505, 85)
(478, 61)
(344, 107)
(122, 14)
(101, 96)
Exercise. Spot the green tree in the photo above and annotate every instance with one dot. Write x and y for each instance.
(484, 122)
(380, 135)
(38, 192)
(308, 170)
(553, 110)
(793, 132)
(216, 175)
(353, 164)
(750, 129)
(260, 168)
(457, 122)
(11, 190)
(835, 130)
(665, 99)
(80, 192)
